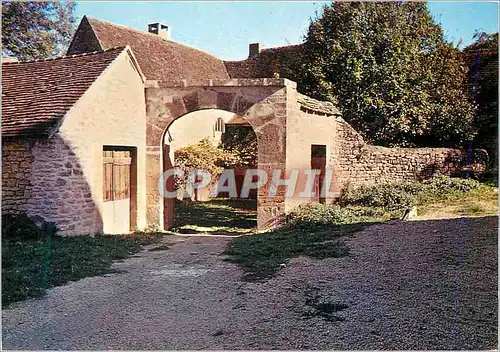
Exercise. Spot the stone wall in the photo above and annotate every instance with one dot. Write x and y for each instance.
(305, 129)
(43, 178)
(355, 162)
(16, 171)
(61, 192)
(358, 163)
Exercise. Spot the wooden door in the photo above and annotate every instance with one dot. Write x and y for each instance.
(168, 203)
(116, 191)
(318, 162)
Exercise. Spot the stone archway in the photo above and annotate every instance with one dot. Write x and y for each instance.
(262, 102)
(188, 130)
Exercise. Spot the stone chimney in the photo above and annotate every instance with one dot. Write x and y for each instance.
(160, 29)
(253, 49)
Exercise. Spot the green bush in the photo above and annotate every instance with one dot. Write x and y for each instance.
(404, 194)
(22, 227)
(446, 187)
(388, 196)
(319, 214)
(310, 215)
(449, 184)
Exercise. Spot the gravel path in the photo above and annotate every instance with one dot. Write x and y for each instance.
(407, 285)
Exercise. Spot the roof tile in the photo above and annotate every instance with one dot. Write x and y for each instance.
(160, 59)
(37, 94)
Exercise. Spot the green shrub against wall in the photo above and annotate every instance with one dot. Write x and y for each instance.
(404, 194)
(22, 227)
(378, 202)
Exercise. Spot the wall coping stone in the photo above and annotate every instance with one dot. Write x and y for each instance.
(231, 82)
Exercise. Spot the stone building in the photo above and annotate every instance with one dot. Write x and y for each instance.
(59, 117)
(85, 136)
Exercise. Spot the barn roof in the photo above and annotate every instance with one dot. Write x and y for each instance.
(159, 59)
(37, 94)
(269, 61)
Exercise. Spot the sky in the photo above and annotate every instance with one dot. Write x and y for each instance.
(225, 28)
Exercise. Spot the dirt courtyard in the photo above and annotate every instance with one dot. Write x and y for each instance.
(407, 285)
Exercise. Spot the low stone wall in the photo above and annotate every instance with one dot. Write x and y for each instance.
(359, 163)
(16, 175)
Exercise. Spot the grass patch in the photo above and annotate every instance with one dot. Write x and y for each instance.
(317, 230)
(220, 214)
(262, 255)
(482, 201)
(471, 209)
(30, 267)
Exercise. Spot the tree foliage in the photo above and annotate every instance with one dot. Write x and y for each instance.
(238, 148)
(482, 58)
(36, 30)
(240, 142)
(390, 71)
(204, 156)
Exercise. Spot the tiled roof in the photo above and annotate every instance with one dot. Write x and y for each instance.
(37, 94)
(159, 59)
(322, 107)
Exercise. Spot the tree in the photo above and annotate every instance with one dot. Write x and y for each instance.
(388, 68)
(36, 30)
(202, 156)
(482, 59)
(241, 143)
(238, 148)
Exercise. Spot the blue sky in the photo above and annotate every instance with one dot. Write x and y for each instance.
(225, 29)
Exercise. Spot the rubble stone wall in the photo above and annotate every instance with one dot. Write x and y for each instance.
(359, 163)
(16, 171)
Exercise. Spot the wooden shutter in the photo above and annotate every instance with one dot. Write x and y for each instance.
(116, 175)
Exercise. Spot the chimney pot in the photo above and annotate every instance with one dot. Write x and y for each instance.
(160, 29)
(253, 49)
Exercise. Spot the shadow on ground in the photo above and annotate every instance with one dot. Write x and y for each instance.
(216, 217)
(404, 285)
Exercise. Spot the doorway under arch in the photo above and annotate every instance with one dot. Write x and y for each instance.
(227, 133)
(261, 102)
